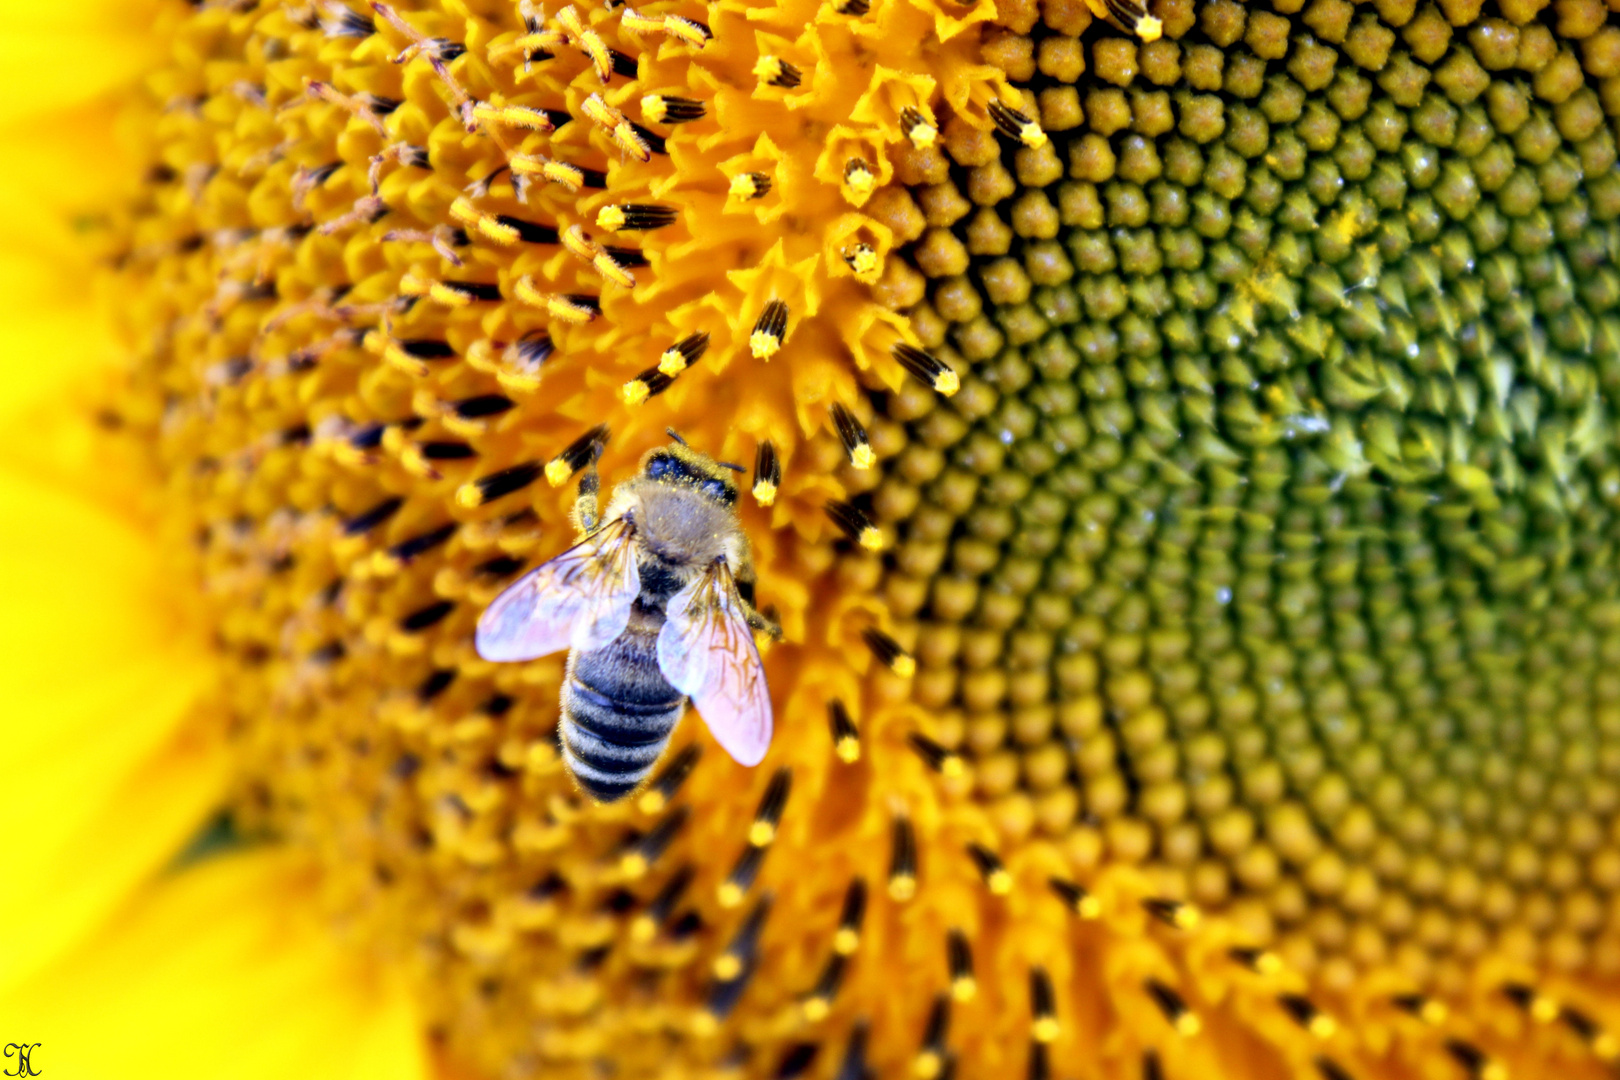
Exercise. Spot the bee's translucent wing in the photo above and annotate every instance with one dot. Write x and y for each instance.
(706, 650)
(579, 600)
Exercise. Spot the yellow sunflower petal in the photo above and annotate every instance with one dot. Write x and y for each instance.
(56, 55)
(103, 784)
(226, 969)
(46, 337)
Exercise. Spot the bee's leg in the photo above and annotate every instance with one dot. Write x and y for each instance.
(744, 577)
(764, 621)
(586, 511)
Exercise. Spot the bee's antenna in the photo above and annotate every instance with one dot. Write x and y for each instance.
(672, 433)
(729, 465)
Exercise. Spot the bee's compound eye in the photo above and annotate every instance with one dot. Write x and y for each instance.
(717, 490)
(663, 467)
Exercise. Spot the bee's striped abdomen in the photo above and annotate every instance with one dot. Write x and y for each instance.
(617, 715)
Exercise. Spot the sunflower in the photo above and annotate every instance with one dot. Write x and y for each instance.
(1182, 462)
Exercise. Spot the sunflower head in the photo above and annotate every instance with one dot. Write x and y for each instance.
(1182, 468)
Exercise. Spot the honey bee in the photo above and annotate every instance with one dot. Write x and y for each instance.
(656, 605)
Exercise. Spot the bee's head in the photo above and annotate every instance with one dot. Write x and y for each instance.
(678, 463)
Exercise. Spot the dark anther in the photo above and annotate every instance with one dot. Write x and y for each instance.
(643, 216)
(499, 567)
(370, 519)
(407, 550)
(443, 450)
(423, 618)
(475, 408)
(797, 1061)
(435, 684)
(530, 232)
(428, 348)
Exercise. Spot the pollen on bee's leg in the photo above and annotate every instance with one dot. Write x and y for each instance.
(846, 737)
(637, 217)
(1043, 1026)
(741, 879)
(930, 1062)
(669, 780)
(646, 850)
(856, 525)
(1075, 898)
(749, 185)
(1174, 1008)
(1016, 125)
(959, 965)
(818, 1002)
(1305, 1013)
(774, 71)
(576, 455)
(902, 859)
(668, 109)
(947, 763)
(767, 473)
(763, 830)
(996, 877)
(1175, 913)
(644, 927)
(850, 432)
(889, 653)
(770, 330)
(926, 369)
